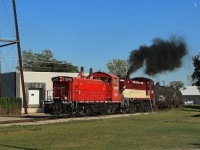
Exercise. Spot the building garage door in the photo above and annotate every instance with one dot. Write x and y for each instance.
(34, 97)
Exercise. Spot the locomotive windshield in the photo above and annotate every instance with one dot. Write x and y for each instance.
(100, 78)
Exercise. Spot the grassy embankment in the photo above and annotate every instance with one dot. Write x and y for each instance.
(175, 129)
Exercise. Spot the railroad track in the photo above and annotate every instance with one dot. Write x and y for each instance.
(33, 120)
(24, 119)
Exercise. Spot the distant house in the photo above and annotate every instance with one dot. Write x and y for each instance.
(191, 93)
(38, 87)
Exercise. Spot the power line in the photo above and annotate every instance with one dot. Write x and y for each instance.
(9, 26)
(5, 57)
(46, 61)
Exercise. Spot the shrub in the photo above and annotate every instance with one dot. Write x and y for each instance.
(10, 106)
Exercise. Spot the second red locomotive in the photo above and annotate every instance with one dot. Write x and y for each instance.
(137, 94)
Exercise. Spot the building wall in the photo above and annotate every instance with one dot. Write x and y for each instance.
(191, 93)
(8, 84)
(195, 98)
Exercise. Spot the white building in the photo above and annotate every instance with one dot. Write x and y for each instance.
(191, 93)
(38, 87)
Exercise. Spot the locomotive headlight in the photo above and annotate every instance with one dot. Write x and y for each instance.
(65, 97)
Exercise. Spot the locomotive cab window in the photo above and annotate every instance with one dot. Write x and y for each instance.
(115, 81)
(103, 79)
(100, 78)
(109, 80)
(148, 85)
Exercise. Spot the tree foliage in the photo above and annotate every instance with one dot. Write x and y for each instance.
(118, 67)
(44, 62)
(196, 74)
(176, 84)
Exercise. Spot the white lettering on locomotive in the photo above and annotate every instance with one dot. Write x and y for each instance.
(69, 79)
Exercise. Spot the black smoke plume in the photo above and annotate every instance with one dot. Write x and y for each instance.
(162, 55)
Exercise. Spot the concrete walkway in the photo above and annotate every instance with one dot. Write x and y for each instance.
(23, 117)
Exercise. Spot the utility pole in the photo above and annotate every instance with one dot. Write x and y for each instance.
(0, 78)
(20, 58)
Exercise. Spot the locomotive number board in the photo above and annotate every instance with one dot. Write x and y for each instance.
(69, 79)
(58, 79)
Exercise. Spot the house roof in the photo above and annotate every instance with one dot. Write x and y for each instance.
(190, 90)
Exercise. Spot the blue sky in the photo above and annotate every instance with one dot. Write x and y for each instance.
(90, 33)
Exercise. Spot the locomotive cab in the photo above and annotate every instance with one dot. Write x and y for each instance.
(111, 85)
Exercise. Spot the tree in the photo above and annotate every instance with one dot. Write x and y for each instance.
(190, 80)
(176, 84)
(196, 74)
(44, 62)
(118, 67)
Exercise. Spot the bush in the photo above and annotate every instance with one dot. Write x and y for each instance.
(10, 106)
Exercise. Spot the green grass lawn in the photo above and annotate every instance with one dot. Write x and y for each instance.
(174, 129)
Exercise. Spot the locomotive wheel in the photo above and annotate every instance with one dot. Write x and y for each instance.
(103, 111)
(143, 107)
(131, 109)
(110, 110)
(80, 113)
(148, 107)
(88, 111)
(56, 109)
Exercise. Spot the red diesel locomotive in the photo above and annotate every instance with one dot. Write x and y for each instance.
(99, 93)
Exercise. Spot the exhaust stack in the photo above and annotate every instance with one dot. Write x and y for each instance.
(81, 73)
(91, 74)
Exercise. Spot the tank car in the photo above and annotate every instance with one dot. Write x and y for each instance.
(84, 95)
(167, 97)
